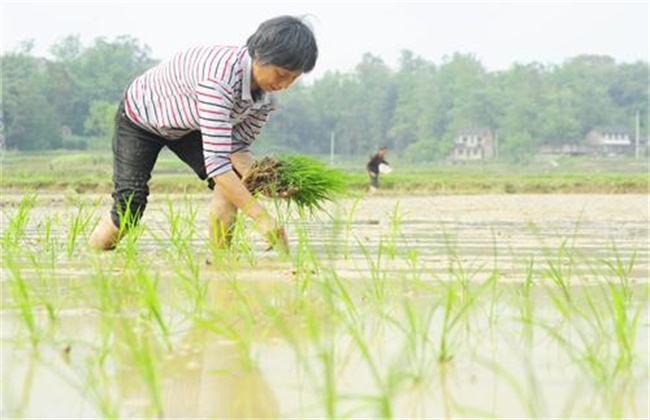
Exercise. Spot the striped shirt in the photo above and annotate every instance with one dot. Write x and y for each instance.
(206, 89)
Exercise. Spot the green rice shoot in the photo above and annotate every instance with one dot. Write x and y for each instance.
(301, 180)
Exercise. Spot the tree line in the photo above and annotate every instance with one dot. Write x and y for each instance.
(69, 100)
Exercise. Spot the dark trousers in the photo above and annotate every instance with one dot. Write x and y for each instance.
(374, 179)
(135, 152)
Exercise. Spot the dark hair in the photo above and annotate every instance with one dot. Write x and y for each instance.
(284, 41)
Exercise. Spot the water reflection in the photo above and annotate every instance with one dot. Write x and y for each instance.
(212, 378)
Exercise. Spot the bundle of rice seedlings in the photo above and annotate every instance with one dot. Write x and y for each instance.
(300, 180)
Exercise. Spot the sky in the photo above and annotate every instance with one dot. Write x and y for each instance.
(498, 34)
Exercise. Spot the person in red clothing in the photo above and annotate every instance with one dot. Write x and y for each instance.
(207, 105)
(373, 167)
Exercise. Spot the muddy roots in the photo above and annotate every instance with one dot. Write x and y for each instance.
(264, 177)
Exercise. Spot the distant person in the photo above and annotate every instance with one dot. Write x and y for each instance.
(207, 105)
(375, 167)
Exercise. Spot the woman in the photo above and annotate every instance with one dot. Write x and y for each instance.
(207, 105)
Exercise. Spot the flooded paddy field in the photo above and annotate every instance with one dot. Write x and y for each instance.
(387, 307)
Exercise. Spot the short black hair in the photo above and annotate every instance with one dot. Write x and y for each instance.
(284, 41)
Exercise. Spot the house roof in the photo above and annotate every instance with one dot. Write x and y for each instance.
(473, 130)
(611, 130)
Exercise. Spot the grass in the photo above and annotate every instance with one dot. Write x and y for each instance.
(364, 322)
(90, 172)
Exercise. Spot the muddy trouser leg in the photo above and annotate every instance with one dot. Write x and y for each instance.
(135, 151)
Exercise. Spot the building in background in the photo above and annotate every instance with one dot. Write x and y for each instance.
(610, 141)
(473, 144)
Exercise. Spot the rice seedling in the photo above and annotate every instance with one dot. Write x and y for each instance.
(108, 289)
(418, 358)
(14, 233)
(528, 390)
(180, 250)
(619, 270)
(526, 307)
(88, 376)
(147, 284)
(625, 318)
(615, 314)
(129, 231)
(378, 276)
(444, 352)
(302, 180)
(96, 387)
(25, 392)
(601, 328)
(396, 331)
(345, 310)
(587, 341)
(140, 350)
(193, 286)
(415, 267)
(457, 301)
(324, 366)
(386, 384)
(559, 271)
(347, 226)
(48, 241)
(390, 244)
(315, 349)
(456, 268)
(238, 332)
(78, 224)
(325, 372)
(41, 286)
(23, 300)
(307, 266)
(181, 223)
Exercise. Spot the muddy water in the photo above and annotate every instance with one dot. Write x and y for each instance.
(396, 256)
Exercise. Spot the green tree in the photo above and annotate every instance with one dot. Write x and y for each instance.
(99, 121)
(374, 106)
(412, 113)
(415, 110)
(629, 91)
(107, 67)
(30, 120)
(67, 91)
(558, 122)
(588, 77)
(100, 72)
(522, 90)
(292, 127)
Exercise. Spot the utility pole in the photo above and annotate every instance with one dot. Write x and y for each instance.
(332, 144)
(638, 129)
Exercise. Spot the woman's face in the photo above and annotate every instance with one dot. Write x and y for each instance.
(270, 77)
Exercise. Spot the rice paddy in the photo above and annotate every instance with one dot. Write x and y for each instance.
(482, 306)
